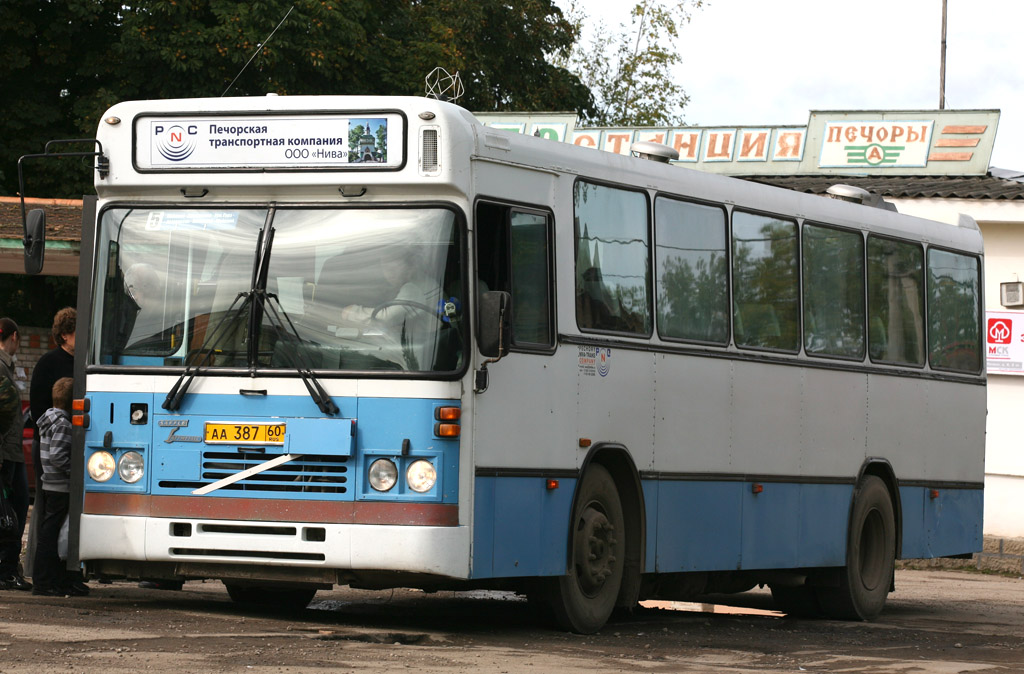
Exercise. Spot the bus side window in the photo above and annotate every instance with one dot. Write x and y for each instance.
(613, 276)
(765, 282)
(531, 279)
(692, 276)
(514, 256)
(492, 247)
(833, 285)
(954, 311)
(896, 301)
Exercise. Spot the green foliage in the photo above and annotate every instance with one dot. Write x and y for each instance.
(629, 70)
(56, 56)
(67, 61)
(33, 300)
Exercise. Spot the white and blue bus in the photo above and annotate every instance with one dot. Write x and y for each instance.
(371, 342)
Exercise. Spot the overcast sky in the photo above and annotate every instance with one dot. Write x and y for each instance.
(770, 62)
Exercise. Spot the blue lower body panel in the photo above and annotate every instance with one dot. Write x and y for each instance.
(522, 529)
(723, 526)
(948, 524)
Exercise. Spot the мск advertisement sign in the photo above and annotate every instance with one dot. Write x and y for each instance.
(1004, 342)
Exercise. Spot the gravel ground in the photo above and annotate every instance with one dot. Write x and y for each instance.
(936, 621)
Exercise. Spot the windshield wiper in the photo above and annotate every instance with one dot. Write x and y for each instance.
(173, 400)
(316, 391)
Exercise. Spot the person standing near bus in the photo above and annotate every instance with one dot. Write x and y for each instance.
(49, 573)
(53, 365)
(15, 478)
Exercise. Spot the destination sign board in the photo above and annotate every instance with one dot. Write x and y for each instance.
(208, 142)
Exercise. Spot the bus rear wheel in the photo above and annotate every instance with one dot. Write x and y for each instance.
(288, 599)
(870, 556)
(583, 600)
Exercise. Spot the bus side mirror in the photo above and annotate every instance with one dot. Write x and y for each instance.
(35, 240)
(495, 334)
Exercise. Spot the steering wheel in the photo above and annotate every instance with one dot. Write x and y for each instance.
(451, 331)
(407, 303)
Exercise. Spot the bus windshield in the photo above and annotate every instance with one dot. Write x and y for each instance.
(321, 289)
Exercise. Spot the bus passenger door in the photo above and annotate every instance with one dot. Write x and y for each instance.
(520, 432)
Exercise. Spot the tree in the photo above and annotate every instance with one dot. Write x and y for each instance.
(67, 61)
(56, 53)
(628, 71)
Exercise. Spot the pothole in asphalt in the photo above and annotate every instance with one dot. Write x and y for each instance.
(396, 638)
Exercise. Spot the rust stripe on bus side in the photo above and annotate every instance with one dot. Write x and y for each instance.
(265, 510)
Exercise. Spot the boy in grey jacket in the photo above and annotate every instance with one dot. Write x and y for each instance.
(49, 575)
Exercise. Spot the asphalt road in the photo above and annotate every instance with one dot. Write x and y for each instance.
(936, 621)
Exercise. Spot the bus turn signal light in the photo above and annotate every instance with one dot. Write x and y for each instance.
(81, 420)
(448, 413)
(80, 405)
(447, 430)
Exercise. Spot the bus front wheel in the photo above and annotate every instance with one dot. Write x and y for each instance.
(584, 599)
(870, 556)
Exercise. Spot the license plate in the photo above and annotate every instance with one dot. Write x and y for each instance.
(244, 434)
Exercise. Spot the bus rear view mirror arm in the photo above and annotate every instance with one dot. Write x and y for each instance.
(34, 223)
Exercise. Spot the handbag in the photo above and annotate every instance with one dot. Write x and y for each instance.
(8, 518)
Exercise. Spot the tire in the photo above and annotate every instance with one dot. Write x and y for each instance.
(583, 600)
(870, 556)
(287, 599)
(796, 602)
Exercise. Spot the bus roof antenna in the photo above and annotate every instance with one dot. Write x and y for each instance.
(444, 86)
(259, 47)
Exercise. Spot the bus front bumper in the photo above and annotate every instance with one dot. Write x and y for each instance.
(434, 550)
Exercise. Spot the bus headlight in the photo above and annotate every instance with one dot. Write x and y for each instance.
(421, 476)
(131, 467)
(383, 474)
(101, 466)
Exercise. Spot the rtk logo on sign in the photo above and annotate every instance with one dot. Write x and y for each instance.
(999, 330)
(175, 143)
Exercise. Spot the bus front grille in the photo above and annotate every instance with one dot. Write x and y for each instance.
(308, 473)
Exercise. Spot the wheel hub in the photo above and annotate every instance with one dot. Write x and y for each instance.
(594, 550)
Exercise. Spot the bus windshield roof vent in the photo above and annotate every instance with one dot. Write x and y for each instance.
(858, 195)
(645, 149)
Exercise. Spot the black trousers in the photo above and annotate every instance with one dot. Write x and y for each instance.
(49, 571)
(15, 478)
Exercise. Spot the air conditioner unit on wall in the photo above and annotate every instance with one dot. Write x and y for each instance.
(1011, 294)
